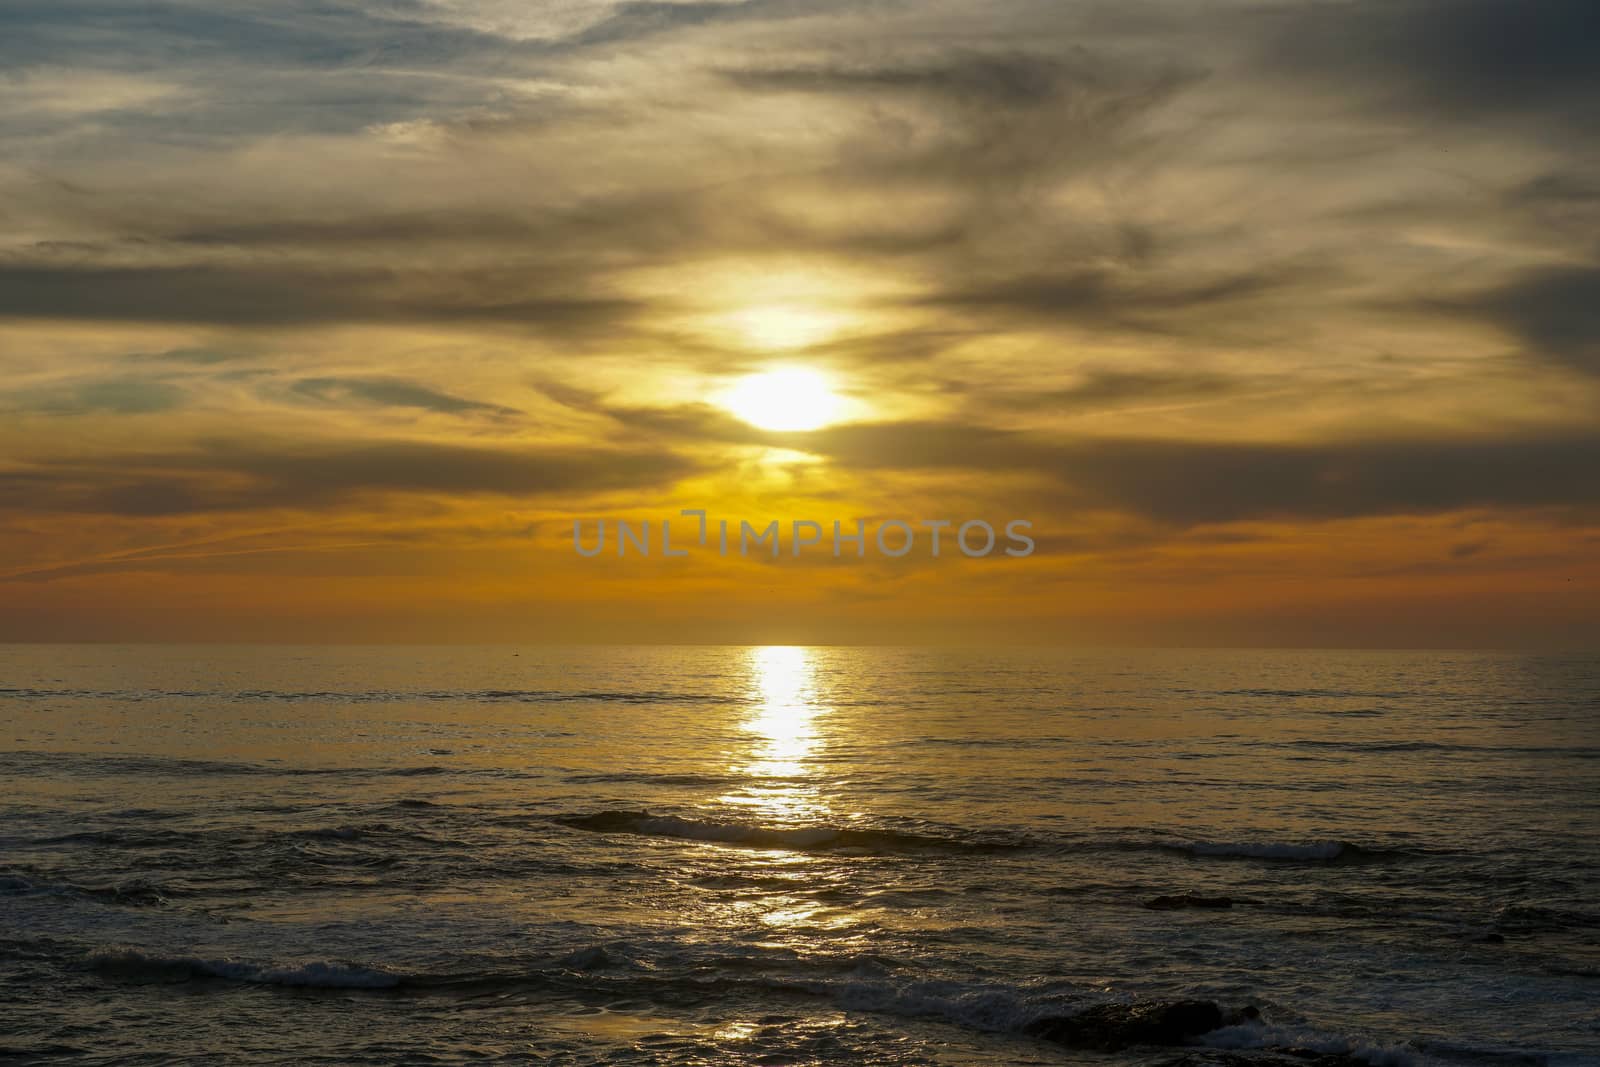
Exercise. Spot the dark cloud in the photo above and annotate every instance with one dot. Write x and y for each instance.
(993, 122)
(284, 296)
(1111, 388)
(197, 356)
(1127, 298)
(642, 18)
(313, 66)
(1190, 482)
(1556, 312)
(244, 70)
(1201, 482)
(570, 396)
(926, 445)
(130, 397)
(1004, 79)
(899, 346)
(394, 392)
(381, 229)
(1557, 190)
(233, 476)
(414, 466)
(1454, 57)
(127, 396)
(635, 20)
(293, 33)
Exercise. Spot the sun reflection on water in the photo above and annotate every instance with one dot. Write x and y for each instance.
(782, 730)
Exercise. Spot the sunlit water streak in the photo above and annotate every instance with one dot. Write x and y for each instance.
(777, 777)
(792, 855)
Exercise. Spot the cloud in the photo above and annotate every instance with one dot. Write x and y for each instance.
(284, 296)
(294, 33)
(394, 392)
(1452, 57)
(1194, 482)
(1110, 388)
(1013, 79)
(126, 396)
(1006, 117)
(643, 18)
(235, 71)
(1555, 311)
(63, 92)
(1126, 299)
(236, 476)
(1187, 482)
(200, 356)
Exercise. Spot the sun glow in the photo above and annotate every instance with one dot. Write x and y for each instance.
(787, 399)
(777, 326)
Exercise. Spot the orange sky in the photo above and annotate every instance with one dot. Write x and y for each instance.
(326, 324)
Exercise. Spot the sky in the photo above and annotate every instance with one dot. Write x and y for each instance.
(323, 320)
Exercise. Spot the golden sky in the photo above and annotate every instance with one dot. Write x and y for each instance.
(324, 320)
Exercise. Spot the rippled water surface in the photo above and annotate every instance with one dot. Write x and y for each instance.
(789, 855)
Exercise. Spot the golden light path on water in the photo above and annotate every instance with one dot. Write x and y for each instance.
(782, 730)
(780, 789)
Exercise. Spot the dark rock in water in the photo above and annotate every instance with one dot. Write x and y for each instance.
(1112, 1027)
(1187, 900)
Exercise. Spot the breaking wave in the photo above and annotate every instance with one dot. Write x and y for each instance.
(803, 838)
(132, 965)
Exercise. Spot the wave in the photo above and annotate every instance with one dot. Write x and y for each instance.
(1300, 694)
(1054, 1011)
(1056, 1017)
(380, 696)
(644, 778)
(134, 892)
(1527, 918)
(123, 838)
(818, 838)
(995, 1008)
(1269, 851)
(375, 831)
(1050, 1013)
(803, 838)
(134, 965)
(1255, 1036)
(1321, 851)
(54, 763)
(449, 826)
(234, 839)
(1566, 751)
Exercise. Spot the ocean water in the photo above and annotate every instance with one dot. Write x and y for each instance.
(794, 856)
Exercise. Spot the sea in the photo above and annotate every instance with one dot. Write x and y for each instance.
(792, 855)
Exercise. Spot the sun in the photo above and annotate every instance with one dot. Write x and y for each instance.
(785, 399)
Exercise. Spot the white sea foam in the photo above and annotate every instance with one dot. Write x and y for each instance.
(1249, 1036)
(994, 1008)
